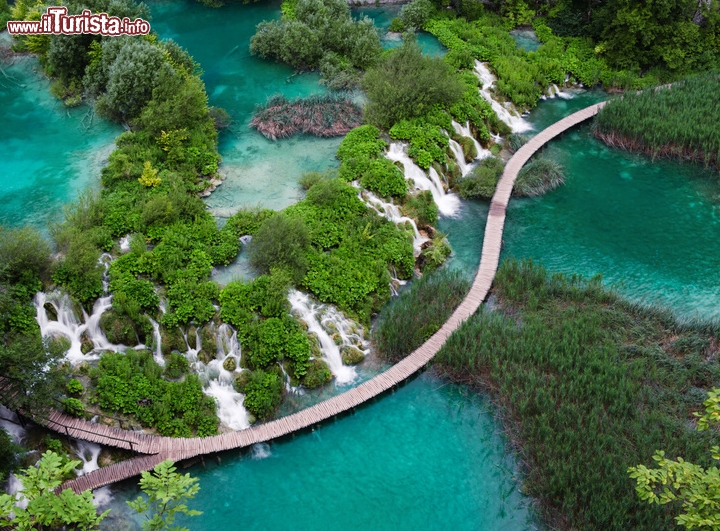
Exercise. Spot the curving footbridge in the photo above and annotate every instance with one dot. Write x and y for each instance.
(157, 449)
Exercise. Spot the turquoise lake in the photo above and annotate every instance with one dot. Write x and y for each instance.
(430, 455)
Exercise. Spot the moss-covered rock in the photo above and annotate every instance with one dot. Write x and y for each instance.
(118, 329)
(50, 311)
(208, 336)
(318, 374)
(86, 344)
(176, 366)
(241, 381)
(468, 147)
(192, 336)
(172, 339)
(229, 364)
(351, 355)
(204, 356)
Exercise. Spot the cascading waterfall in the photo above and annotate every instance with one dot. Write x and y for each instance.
(219, 383)
(157, 339)
(11, 425)
(465, 167)
(392, 213)
(125, 244)
(320, 318)
(69, 326)
(448, 204)
(515, 122)
(464, 130)
(88, 453)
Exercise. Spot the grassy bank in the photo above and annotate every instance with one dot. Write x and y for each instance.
(588, 384)
(676, 121)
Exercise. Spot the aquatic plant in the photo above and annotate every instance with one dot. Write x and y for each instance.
(320, 115)
(676, 121)
(418, 313)
(588, 385)
(483, 179)
(538, 177)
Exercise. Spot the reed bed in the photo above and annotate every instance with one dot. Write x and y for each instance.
(678, 121)
(418, 313)
(320, 115)
(538, 177)
(587, 384)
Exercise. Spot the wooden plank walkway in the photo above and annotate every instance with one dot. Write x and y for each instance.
(162, 448)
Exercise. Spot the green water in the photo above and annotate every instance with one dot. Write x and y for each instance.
(526, 39)
(49, 153)
(427, 457)
(383, 15)
(650, 228)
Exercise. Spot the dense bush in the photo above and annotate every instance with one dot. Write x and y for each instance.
(281, 242)
(416, 14)
(483, 179)
(131, 383)
(263, 392)
(8, 451)
(418, 313)
(320, 33)
(407, 84)
(589, 385)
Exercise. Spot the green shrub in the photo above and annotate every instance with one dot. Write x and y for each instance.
(176, 366)
(539, 177)
(418, 313)
(74, 407)
(481, 182)
(263, 393)
(281, 242)
(407, 84)
(416, 13)
(74, 387)
(318, 374)
(422, 207)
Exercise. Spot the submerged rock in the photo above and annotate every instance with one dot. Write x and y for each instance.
(351, 355)
(229, 364)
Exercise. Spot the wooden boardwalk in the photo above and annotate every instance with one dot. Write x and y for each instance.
(161, 448)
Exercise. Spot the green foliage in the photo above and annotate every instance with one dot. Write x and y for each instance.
(418, 313)
(313, 29)
(481, 182)
(8, 451)
(263, 393)
(589, 386)
(166, 495)
(416, 13)
(675, 121)
(131, 383)
(422, 207)
(74, 387)
(281, 241)
(176, 366)
(318, 374)
(407, 84)
(74, 407)
(45, 508)
(538, 177)
(427, 142)
(361, 142)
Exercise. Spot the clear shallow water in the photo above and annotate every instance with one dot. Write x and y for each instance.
(526, 39)
(427, 457)
(49, 153)
(383, 15)
(650, 228)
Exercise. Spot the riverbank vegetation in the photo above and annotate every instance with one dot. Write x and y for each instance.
(666, 122)
(588, 384)
(320, 33)
(324, 116)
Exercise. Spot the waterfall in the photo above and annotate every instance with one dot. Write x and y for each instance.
(219, 383)
(71, 327)
(465, 131)
(157, 339)
(448, 204)
(515, 122)
(125, 244)
(392, 213)
(15, 430)
(88, 453)
(319, 318)
(460, 158)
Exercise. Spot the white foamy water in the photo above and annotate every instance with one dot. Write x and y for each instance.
(260, 451)
(464, 130)
(219, 383)
(125, 244)
(320, 318)
(392, 213)
(510, 117)
(465, 167)
(157, 339)
(88, 453)
(448, 204)
(15, 430)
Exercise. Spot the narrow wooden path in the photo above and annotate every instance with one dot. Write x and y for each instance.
(161, 448)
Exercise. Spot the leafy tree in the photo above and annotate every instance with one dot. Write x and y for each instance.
(407, 84)
(8, 449)
(697, 488)
(282, 242)
(416, 13)
(166, 494)
(45, 508)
